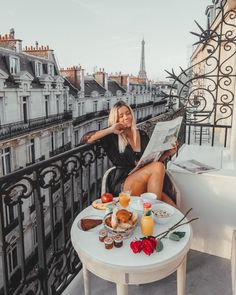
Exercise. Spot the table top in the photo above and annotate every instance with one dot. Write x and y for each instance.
(87, 243)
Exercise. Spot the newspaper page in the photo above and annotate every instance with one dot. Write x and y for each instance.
(194, 166)
(163, 138)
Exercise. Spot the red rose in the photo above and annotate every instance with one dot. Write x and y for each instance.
(136, 246)
(148, 246)
(153, 241)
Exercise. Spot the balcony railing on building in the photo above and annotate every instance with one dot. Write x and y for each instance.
(22, 127)
(60, 150)
(89, 116)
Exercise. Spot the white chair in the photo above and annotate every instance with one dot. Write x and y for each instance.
(170, 188)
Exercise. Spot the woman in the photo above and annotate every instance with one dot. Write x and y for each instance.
(124, 145)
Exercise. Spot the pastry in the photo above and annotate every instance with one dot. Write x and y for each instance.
(87, 223)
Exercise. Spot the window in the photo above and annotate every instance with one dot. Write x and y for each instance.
(63, 137)
(76, 137)
(58, 103)
(6, 160)
(95, 106)
(1, 111)
(108, 104)
(99, 125)
(79, 109)
(14, 65)
(46, 105)
(51, 69)
(25, 109)
(83, 108)
(38, 69)
(31, 151)
(12, 257)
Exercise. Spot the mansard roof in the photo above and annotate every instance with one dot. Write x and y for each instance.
(27, 65)
(113, 87)
(90, 85)
(72, 89)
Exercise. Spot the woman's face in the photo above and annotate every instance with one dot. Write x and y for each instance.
(125, 116)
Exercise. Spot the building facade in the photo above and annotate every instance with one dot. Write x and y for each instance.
(35, 121)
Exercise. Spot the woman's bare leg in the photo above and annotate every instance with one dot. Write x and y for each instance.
(149, 178)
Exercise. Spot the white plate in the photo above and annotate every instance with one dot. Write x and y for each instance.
(95, 229)
(98, 204)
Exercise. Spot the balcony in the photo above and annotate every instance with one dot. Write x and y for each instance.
(89, 116)
(19, 128)
(141, 105)
(60, 150)
(36, 250)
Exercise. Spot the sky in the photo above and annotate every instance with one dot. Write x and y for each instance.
(107, 33)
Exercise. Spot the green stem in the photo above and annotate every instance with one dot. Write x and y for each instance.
(176, 225)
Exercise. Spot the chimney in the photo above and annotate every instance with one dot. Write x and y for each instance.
(82, 80)
(102, 78)
(73, 74)
(9, 41)
(39, 51)
(105, 76)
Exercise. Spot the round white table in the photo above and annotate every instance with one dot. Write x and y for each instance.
(121, 265)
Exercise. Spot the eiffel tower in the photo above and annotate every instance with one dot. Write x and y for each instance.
(142, 72)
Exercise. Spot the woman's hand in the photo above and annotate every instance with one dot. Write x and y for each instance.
(169, 153)
(117, 128)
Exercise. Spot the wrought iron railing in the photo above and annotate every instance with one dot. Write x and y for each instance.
(22, 127)
(207, 87)
(60, 150)
(141, 105)
(90, 116)
(37, 207)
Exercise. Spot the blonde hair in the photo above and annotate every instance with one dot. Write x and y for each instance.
(113, 118)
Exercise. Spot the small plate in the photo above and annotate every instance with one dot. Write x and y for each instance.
(94, 229)
(98, 204)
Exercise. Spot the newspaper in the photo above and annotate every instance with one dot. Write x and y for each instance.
(194, 166)
(163, 138)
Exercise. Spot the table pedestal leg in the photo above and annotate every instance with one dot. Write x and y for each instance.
(87, 285)
(121, 289)
(181, 277)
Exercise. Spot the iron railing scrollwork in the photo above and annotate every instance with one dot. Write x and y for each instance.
(59, 189)
(206, 88)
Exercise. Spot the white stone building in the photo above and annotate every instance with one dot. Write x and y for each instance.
(35, 122)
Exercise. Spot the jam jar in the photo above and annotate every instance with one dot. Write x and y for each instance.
(102, 234)
(118, 241)
(108, 241)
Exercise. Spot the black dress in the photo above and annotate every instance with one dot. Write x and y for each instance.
(124, 162)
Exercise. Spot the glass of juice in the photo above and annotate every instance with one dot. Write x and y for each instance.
(147, 226)
(147, 222)
(124, 198)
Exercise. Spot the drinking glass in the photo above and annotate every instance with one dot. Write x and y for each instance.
(124, 198)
